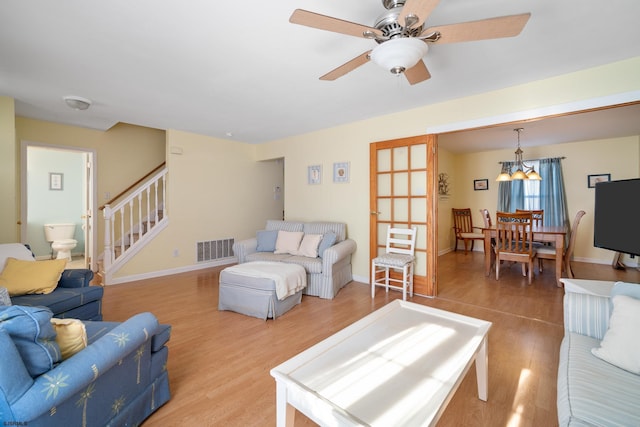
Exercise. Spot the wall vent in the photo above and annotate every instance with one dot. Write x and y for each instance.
(214, 249)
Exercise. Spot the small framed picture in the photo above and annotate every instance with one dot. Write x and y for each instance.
(480, 184)
(314, 174)
(592, 180)
(55, 181)
(341, 172)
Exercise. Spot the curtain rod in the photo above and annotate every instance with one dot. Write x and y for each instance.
(530, 160)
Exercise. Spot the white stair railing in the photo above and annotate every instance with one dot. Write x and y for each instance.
(133, 221)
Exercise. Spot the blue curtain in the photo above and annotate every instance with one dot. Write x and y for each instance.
(504, 190)
(553, 198)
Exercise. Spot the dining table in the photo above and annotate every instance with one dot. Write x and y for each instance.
(541, 233)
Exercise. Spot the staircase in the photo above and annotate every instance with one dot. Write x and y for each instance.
(132, 222)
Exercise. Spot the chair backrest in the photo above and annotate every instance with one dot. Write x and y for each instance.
(401, 240)
(462, 222)
(514, 234)
(536, 215)
(486, 217)
(574, 232)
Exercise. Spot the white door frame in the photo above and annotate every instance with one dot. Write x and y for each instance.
(91, 186)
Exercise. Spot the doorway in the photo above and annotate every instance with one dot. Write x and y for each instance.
(58, 186)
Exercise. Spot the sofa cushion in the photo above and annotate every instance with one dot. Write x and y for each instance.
(309, 245)
(338, 228)
(16, 381)
(591, 391)
(311, 265)
(34, 337)
(328, 239)
(266, 240)
(274, 224)
(22, 277)
(62, 299)
(71, 336)
(621, 343)
(288, 242)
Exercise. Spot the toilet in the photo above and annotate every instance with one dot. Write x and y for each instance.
(61, 238)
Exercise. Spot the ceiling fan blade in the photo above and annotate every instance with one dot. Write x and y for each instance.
(421, 9)
(418, 73)
(327, 23)
(347, 67)
(492, 28)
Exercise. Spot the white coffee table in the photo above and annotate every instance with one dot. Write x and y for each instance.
(400, 365)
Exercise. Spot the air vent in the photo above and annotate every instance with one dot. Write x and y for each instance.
(214, 249)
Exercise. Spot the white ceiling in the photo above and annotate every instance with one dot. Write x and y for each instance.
(240, 68)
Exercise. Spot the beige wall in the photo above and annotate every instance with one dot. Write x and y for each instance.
(350, 202)
(9, 188)
(215, 190)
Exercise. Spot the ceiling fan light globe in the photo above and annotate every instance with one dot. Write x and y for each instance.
(400, 53)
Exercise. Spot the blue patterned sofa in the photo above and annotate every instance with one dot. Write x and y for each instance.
(119, 379)
(72, 298)
(327, 273)
(592, 390)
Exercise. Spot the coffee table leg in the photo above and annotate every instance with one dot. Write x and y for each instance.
(285, 413)
(482, 362)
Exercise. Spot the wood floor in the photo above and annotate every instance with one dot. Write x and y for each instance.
(219, 362)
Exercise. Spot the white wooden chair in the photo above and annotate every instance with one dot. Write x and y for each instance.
(399, 255)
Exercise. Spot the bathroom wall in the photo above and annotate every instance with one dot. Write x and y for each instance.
(54, 206)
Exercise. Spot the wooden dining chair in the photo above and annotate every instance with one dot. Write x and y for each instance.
(464, 229)
(537, 216)
(514, 241)
(549, 252)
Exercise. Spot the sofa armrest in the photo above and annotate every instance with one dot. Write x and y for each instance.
(77, 278)
(78, 372)
(337, 253)
(245, 247)
(586, 314)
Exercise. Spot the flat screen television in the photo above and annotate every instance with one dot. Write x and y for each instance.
(616, 223)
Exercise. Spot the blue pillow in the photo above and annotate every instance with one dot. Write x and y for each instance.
(33, 335)
(327, 241)
(15, 381)
(266, 240)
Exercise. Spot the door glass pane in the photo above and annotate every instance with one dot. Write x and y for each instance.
(401, 184)
(419, 209)
(401, 210)
(421, 237)
(419, 156)
(384, 160)
(420, 267)
(384, 184)
(382, 236)
(384, 207)
(401, 158)
(418, 183)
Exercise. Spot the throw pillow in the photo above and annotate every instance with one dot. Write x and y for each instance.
(288, 242)
(266, 240)
(71, 336)
(31, 331)
(31, 277)
(621, 343)
(327, 241)
(309, 245)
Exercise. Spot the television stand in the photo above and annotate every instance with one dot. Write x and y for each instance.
(617, 262)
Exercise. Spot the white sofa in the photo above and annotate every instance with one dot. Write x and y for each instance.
(326, 274)
(592, 391)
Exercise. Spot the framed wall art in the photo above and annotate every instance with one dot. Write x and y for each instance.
(480, 184)
(314, 174)
(341, 172)
(592, 180)
(56, 181)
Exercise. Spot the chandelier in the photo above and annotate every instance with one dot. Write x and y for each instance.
(523, 171)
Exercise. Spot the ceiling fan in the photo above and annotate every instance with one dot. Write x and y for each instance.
(402, 37)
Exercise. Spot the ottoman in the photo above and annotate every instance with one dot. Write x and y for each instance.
(261, 289)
